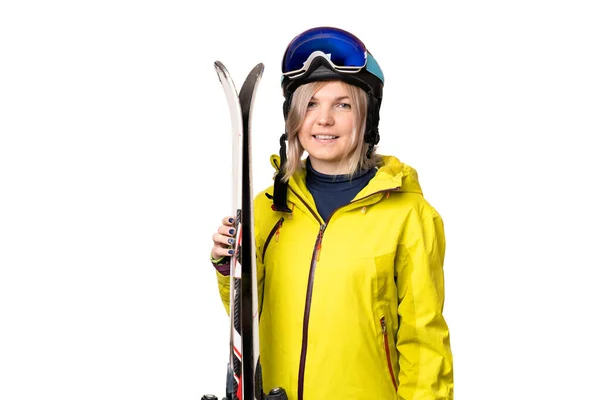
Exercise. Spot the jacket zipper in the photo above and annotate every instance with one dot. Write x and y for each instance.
(313, 265)
(274, 233)
(388, 355)
(309, 290)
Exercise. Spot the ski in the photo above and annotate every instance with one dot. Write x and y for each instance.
(244, 374)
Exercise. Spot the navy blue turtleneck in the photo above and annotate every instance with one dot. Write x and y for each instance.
(333, 191)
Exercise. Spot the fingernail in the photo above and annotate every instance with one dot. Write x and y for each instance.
(229, 251)
(230, 220)
(231, 231)
(230, 241)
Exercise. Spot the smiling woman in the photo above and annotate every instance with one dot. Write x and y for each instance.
(328, 122)
(349, 253)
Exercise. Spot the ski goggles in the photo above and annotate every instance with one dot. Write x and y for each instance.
(345, 52)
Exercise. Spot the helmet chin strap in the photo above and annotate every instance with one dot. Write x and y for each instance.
(372, 133)
(280, 187)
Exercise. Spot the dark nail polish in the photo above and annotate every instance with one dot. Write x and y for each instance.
(230, 252)
(230, 220)
(231, 231)
(230, 241)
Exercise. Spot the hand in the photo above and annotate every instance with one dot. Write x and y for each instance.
(223, 240)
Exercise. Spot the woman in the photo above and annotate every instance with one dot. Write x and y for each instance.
(349, 253)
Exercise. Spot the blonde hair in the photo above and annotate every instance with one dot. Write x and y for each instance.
(356, 157)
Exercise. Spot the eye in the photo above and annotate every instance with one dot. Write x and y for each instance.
(311, 104)
(345, 106)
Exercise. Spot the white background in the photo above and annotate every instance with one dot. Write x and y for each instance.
(114, 173)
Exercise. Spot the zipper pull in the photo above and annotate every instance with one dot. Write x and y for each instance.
(319, 242)
(279, 223)
(383, 325)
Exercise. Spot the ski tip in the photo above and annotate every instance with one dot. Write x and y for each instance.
(219, 66)
(221, 71)
(258, 69)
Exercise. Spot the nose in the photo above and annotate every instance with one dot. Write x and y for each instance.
(325, 117)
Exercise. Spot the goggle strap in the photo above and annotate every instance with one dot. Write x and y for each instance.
(373, 67)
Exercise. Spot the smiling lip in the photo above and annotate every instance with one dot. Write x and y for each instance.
(325, 137)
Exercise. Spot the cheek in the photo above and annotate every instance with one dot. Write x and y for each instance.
(302, 139)
(306, 127)
(303, 135)
(348, 123)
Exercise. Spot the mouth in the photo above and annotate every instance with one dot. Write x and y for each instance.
(325, 137)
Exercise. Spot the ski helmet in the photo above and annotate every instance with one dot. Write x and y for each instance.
(328, 53)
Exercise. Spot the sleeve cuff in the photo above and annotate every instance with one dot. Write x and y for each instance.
(222, 265)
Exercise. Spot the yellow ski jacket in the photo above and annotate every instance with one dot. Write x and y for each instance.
(351, 308)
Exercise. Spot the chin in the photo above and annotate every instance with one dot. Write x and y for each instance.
(323, 155)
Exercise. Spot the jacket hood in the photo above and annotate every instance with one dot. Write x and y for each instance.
(391, 174)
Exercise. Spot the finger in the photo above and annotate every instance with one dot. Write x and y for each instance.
(218, 252)
(226, 230)
(222, 240)
(228, 221)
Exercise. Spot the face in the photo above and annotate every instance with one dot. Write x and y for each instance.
(327, 130)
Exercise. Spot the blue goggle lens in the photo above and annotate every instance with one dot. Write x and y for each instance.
(343, 49)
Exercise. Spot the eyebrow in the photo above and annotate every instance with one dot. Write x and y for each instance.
(336, 99)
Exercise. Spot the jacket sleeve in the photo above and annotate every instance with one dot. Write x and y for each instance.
(423, 342)
(223, 285)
